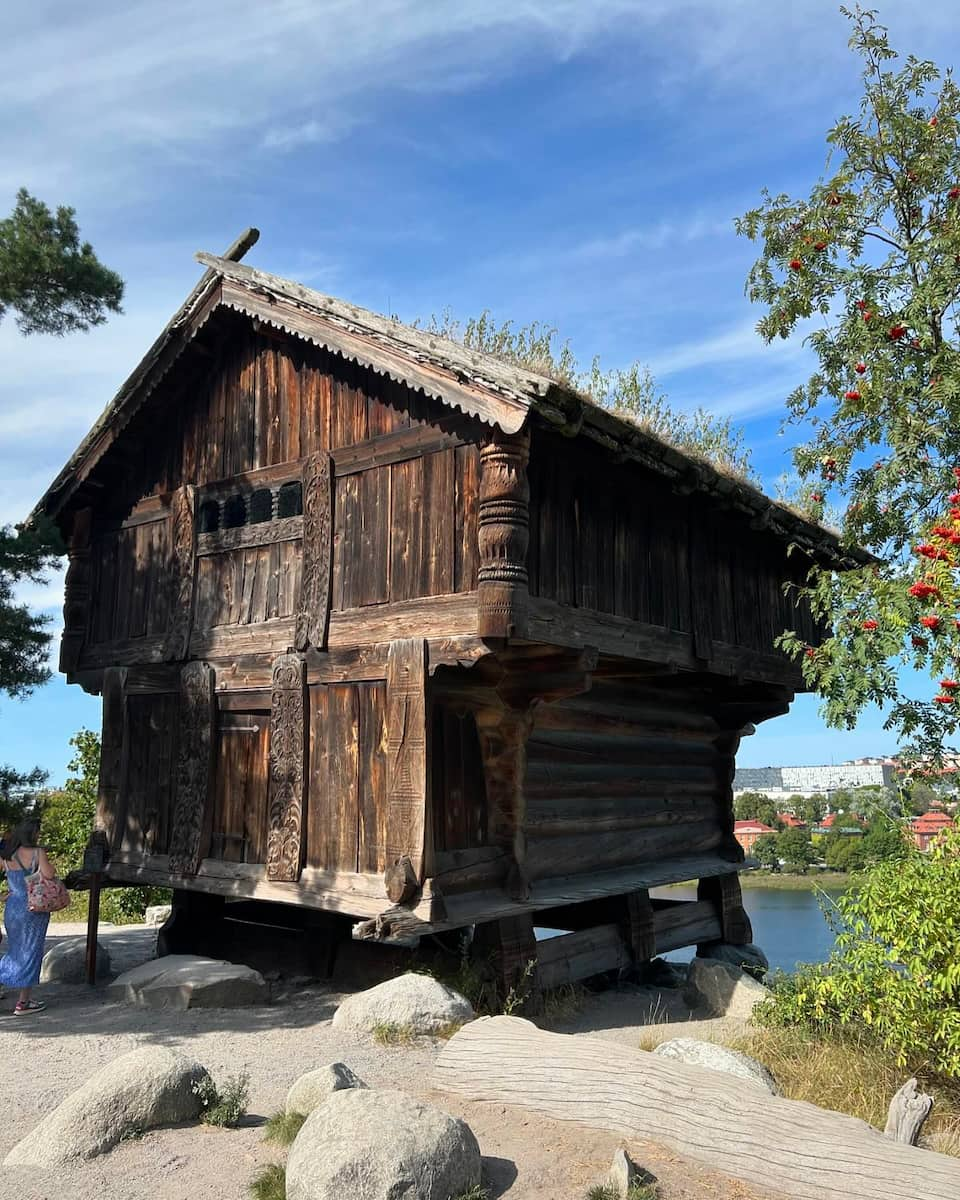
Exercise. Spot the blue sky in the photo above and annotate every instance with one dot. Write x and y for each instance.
(573, 162)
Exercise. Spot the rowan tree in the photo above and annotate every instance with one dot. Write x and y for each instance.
(871, 256)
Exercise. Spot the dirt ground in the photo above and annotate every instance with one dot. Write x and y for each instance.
(43, 1059)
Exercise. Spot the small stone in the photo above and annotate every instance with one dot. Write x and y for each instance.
(381, 1145)
(417, 1003)
(182, 981)
(722, 989)
(141, 1090)
(719, 1058)
(623, 1173)
(66, 961)
(314, 1087)
(157, 914)
(749, 958)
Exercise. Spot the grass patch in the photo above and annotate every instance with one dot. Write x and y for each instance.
(389, 1033)
(835, 881)
(563, 1002)
(224, 1107)
(476, 1193)
(283, 1127)
(270, 1184)
(855, 1077)
(446, 1032)
(637, 1191)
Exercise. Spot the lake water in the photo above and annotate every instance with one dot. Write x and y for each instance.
(788, 926)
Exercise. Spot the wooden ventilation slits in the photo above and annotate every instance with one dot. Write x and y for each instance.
(290, 499)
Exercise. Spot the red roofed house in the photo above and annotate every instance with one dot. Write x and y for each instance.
(747, 832)
(927, 828)
(789, 821)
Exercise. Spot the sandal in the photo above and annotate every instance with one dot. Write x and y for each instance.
(31, 1006)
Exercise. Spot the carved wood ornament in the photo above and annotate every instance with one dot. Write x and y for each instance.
(406, 752)
(287, 768)
(184, 566)
(76, 596)
(313, 611)
(504, 535)
(194, 766)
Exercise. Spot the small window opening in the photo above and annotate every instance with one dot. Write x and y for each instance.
(290, 500)
(261, 506)
(209, 516)
(234, 512)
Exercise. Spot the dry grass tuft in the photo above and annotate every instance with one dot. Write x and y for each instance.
(389, 1033)
(853, 1077)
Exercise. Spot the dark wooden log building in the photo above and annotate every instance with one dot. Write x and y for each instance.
(389, 628)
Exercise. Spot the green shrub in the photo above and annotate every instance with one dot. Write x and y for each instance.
(895, 974)
(126, 905)
(283, 1127)
(270, 1184)
(224, 1107)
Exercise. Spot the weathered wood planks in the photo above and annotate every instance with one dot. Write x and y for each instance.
(406, 739)
(194, 762)
(729, 1124)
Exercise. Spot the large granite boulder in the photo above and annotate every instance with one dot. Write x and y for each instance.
(381, 1145)
(138, 1091)
(157, 914)
(722, 989)
(182, 981)
(415, 1003)
(719, 1058)
(749, 958)
(314, 1087)
(66, 961)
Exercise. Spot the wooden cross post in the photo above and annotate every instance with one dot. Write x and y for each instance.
(94, 861)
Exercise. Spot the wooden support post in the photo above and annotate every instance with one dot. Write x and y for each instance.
(503, 736)
(95, 856)
(723, 891)
(504, 535)
(510, 946)
(638, 926)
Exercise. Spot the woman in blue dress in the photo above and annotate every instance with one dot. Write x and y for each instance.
(26, 930)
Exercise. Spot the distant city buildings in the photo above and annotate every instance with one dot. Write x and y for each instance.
(927, 828)
(747, 832)
(781, 782)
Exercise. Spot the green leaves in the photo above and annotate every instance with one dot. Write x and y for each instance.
(872, 255)
(54, 282)
(896, 967)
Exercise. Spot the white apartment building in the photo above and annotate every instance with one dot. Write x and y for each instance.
(781, 782)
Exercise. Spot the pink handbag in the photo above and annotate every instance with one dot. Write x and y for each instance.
(46, 895)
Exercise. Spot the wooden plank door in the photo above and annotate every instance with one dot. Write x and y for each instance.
(239, 825)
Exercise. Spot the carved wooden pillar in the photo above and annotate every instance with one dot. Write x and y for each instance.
(76, 594)
(406, 752)
(177, 642)
(288, 752)
(503, 736)
(313, 609)
(194, 766)
(504, 534)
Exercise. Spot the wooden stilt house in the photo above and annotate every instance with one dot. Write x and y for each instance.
(388, 628)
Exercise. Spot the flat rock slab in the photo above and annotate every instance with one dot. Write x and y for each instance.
(157, 914)
(381, 1145)
(417, 1003)
(138, 1091)
(719, 1058)
(182, 981)
(66, 961)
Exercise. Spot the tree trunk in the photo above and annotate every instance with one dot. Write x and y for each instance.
(733, 1126)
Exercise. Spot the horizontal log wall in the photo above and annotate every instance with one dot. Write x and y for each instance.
(617, 776)
(621, 542)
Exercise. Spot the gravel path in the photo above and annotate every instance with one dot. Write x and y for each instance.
(525, 1158)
